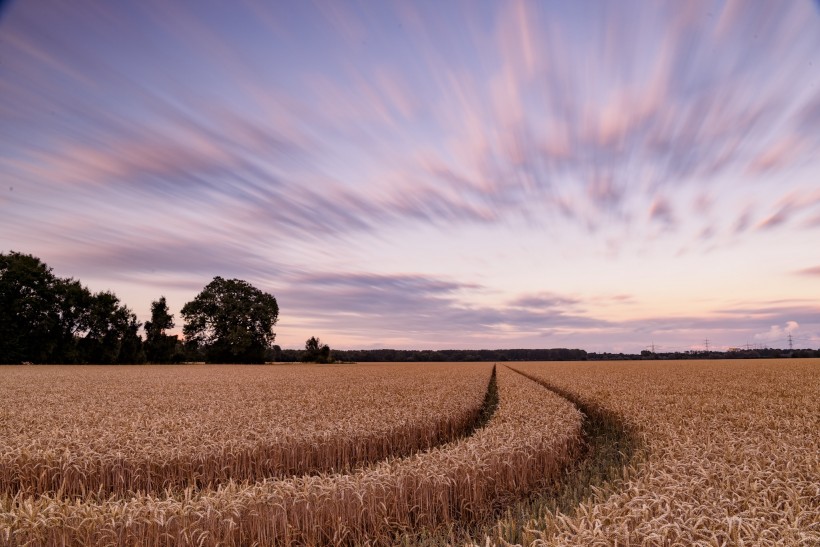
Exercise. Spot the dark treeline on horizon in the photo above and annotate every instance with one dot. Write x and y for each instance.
(759, 353)
(501, 355)
(48, 319)
(448, 355)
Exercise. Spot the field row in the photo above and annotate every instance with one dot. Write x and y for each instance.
(530, 437)
(731, 454)
(93, 432)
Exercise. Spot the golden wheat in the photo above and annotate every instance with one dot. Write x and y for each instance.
(731, 454)
(532, 434)
(100, 431)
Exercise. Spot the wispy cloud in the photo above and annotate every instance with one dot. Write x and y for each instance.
(426, 306)
(790, 206)
(661, 211)
(385, 309)
(544, 301)
(603, 143)
(815, 271)
(264, 140)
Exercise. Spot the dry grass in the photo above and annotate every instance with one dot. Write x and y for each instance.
(525, 444)
(731, 455)
(93, 432)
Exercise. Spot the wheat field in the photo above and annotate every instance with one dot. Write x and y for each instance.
(726, 453)
(530, 437)
(92, 432)
(730, 454)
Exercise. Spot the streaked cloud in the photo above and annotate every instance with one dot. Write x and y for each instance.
(387, 307)
(280, 142)
(815, 271)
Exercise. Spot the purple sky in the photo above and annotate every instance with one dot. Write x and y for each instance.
(428, 174)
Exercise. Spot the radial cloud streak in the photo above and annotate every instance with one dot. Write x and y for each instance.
(585, 174)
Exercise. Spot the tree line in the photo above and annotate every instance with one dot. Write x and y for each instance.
(49, 319)
(447, 355)
(44, 318)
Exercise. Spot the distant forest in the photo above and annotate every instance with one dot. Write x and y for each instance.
(555, 354)
(48, 319)
(461, 355)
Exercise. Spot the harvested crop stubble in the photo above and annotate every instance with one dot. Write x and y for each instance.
(93, 432)
(732, 454)
(532, 434)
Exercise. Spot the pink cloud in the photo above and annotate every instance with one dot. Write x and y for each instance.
(779, 155)
(124, 159)
(661, 211)
(788, 207)
(743, 221)
(519, 40)
(812, 272)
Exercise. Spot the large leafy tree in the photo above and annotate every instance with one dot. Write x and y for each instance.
(29, 307)
(232, 321)
(160, 347)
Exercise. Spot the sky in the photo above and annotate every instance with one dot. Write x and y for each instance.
(596, 175)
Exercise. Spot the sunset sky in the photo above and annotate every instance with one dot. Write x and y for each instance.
(431, 174)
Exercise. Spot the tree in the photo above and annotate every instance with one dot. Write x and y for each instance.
(131, 346)
(160, 347)
(109, 325)
(74, 319)
(28, 309)
(315, 352)
(232, 321)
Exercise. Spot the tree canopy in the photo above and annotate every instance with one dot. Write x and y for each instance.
(232, 321)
